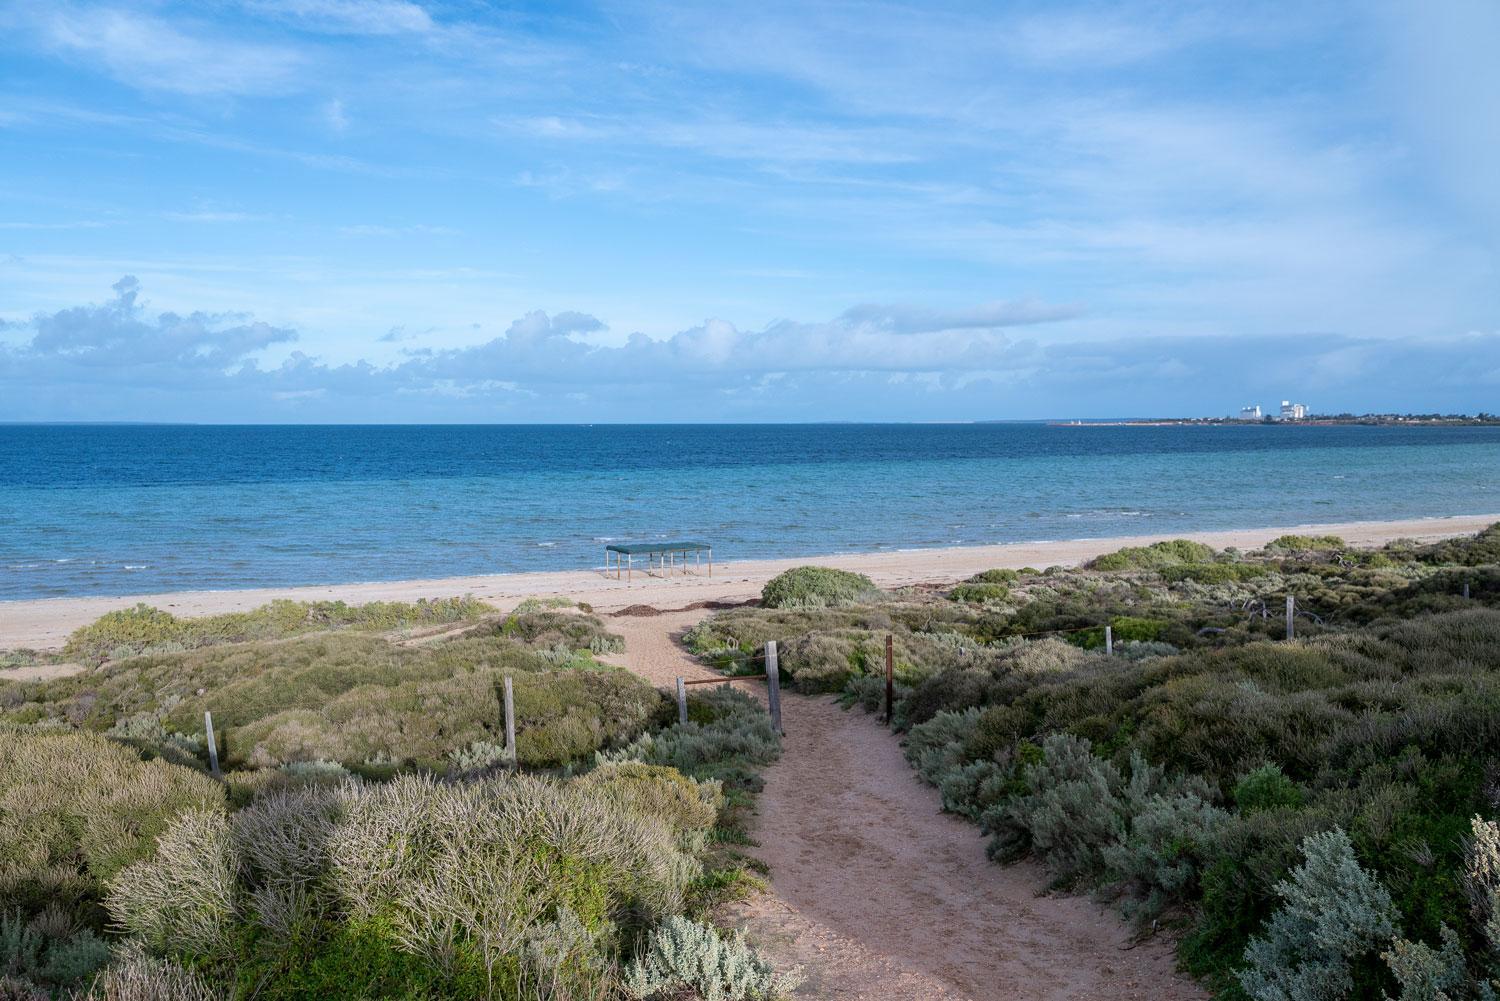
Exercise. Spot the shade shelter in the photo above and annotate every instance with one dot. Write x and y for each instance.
(664, 554)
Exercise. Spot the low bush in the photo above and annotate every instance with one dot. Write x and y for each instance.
(816, 587)
(1154, 556)
(75, 809)
(360, 700)
(1305, 542)
(735, 739)
(411, 888)
(1325, 939)
(687, 957)
(979, 592)
(142, 629)
(135, 976)
(46, 951)
(1000, 576)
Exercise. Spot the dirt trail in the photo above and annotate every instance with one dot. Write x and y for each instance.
(653, 647)
(880, 895)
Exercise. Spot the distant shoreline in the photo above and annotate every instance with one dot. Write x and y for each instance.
(44, 623)
(1368, 420)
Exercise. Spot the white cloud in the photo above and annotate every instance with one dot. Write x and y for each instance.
(154, 54)
(355, 17)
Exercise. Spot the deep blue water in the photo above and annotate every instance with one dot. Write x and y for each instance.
(121, 509)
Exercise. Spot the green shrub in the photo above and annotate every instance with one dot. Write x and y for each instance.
(686, 956)
(816, 587)
(45, 949)
(408, 886)
(1001, 576)
(1154, 556)
(1215, 573)
(356, 699)
(75, 809)
(979, 592)
(134, 976)
(1307, 542)
(1266, 788)
(1335, 915)
(736, 738)
(141, 629)
(688, 807)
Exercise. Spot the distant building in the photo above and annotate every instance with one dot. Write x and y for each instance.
(1293, 411)
(1250, 413)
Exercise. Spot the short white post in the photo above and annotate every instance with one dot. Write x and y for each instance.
(1109, 641)
(510, 723)
(1466, 590)
(773, 686)
(681, 701)
(1291, 617)
(213, 747)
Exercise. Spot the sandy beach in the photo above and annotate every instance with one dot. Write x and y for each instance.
(45, 623)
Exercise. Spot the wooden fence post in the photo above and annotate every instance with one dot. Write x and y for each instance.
(681, 701)
(1109, 641)
(510, 723)
(773, 686)
(1291, 616)
(213, 747)
(1466, 590)
(890, 677)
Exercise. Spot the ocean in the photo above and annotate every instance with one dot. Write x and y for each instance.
(118, 509)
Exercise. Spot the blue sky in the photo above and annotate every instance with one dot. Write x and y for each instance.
(381, 210)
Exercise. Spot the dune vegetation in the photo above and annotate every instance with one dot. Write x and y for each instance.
(368, 838)
(1311, 819)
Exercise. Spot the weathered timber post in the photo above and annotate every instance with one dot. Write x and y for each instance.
(773, 686)
(1291, 617)
(510, 723)
(1109, 641)
(890, 677)
(1466, 590)
(213, 747)
(681, 701)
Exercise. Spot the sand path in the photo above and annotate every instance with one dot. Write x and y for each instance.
(880, 895)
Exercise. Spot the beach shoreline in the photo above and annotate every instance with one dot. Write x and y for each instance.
(44, 623)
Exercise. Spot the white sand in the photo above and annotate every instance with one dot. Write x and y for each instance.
(44, 624)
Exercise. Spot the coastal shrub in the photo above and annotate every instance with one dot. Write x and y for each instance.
(1215, 573)
(1468, 551)
(685, 805)
(1266, 788)
(1154, 556)
(736, 737)
(141, 629)
(685, 956)
(1306, 542)
(997, 576)
(75, 809)
(136, 976)
(353, 699)
(981, 592)
(1334, 918)
(815, 587)
(45, 950)
(413, 886)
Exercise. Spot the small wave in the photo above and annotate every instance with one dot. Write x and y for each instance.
(545, 545)
(137, 566)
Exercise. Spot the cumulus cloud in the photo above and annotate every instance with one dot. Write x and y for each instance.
(118, 342)
(116, 359)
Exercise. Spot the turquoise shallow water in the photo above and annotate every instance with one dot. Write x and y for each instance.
(118, 509)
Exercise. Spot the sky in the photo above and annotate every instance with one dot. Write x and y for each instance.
(402, 211)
